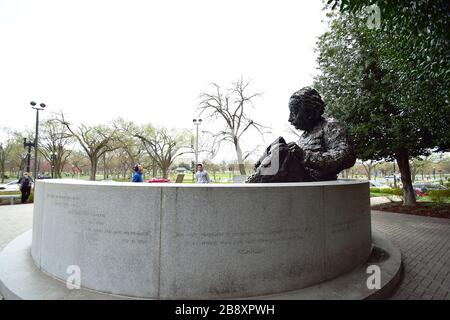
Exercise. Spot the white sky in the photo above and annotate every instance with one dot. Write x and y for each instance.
(147, 61)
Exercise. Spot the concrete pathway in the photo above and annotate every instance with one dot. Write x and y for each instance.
(14, 220)
(424, 242)
(379, 200)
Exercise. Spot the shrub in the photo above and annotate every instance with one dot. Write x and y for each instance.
(375, 190)
(386, 190)
(439, 195)
(397, 192)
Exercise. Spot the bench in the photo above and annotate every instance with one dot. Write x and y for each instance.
(11, 197)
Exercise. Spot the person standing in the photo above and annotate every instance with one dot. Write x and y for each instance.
(25, 186)
(201, 176)
(137, 176)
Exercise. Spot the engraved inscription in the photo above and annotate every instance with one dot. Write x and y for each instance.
(92, 222)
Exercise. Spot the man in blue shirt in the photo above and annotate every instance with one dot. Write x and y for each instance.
(137, 176)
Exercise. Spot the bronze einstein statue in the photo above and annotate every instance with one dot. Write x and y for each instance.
(324, 148)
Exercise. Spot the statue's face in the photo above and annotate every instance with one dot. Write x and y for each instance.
(297, 116)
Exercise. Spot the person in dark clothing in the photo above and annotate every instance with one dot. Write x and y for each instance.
(137, 176)
(25, 186)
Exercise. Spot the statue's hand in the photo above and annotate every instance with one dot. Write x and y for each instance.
(295, 150)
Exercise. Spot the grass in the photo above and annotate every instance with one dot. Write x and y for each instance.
(6, 201)
(380, 194)
(188, 177)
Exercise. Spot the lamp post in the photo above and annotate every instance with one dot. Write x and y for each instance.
(28, 145)
(395, 178)
(196, 122)
(36, 138)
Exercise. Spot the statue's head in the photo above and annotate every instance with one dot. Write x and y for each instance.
(305, 108)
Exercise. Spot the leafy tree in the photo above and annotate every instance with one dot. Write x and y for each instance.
(5, 150)
(12, 153)
(363, 85)
(413, 43)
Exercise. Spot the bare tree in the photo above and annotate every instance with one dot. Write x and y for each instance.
(126, 140)
(417, 165)
(368, 167)
(54, 145)
(162, 146)
(230, 107)
(94, 140)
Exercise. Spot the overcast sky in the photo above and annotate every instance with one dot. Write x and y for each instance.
(147, 61)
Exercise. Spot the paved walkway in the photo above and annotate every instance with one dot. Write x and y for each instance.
(425, 246)
(424, 242)
(14, 220)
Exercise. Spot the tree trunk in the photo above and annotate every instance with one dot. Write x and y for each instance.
(409, 196)
(93, 169)
(239, 157)
(164, 172)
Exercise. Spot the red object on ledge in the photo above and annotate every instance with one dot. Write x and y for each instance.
(155, 180)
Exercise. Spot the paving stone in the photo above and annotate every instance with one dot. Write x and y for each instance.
(424, 242)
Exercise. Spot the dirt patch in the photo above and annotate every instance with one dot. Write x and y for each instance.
(427, 209)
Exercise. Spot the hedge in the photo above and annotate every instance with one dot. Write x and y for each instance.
(393, 191)
(439, 195)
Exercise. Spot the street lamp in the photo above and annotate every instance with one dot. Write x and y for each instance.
(36, 138)
(196, 122)
(28, 145)
(395, 178)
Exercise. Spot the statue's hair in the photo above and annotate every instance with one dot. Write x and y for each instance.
(311, 102)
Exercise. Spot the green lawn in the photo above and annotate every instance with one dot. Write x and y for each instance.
(380, 194)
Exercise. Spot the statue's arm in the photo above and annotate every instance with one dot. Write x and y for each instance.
(338, 155)
(267, 152)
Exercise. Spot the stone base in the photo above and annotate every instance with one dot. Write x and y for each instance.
(21, 279)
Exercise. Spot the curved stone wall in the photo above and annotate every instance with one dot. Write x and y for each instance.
(169, 241)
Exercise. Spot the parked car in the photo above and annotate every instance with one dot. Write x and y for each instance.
(10, 186)
(419, 192)
(425, 187)
(44, 177)
(377, 184)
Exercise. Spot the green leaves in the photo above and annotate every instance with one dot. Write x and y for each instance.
(391, 86)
